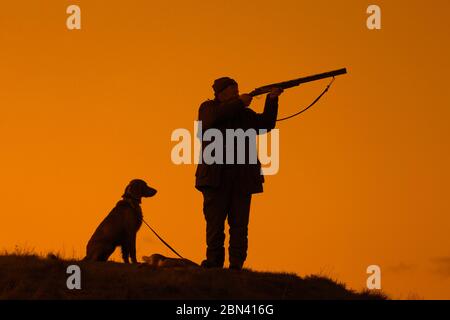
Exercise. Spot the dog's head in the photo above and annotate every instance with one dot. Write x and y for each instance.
(138, 189)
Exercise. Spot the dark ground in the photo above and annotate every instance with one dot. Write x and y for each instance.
(34, 277)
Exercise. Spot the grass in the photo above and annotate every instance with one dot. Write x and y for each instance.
(24, 275)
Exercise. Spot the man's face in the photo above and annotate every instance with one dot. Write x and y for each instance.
(229, 93)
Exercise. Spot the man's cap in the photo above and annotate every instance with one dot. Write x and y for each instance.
(222, 83)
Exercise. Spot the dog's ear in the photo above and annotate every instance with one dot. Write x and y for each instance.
(132, 190)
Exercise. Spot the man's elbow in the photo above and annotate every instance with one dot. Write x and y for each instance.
(272, 122)
(270, 125)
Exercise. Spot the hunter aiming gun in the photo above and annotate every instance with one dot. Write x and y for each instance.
(296, 82)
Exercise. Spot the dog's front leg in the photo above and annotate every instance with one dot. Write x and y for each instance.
(132, 248)
(125, 253)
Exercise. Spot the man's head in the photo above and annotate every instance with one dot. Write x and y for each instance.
(225, 89)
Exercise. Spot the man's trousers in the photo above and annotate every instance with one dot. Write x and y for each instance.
(226, 201)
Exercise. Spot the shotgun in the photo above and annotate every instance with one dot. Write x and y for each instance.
(296, 82)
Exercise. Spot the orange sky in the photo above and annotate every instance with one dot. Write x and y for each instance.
(364, 176)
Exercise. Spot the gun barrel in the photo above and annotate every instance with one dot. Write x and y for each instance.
(297, 82)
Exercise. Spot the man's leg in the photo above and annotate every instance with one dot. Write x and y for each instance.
(238, 219)
(215, 207)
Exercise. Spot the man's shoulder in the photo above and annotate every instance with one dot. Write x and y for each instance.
(208, 103)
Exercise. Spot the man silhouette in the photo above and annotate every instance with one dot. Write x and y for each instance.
(227, 188)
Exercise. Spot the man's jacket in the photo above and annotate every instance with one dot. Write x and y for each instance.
(234, 115)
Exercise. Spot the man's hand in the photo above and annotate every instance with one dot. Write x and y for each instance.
(246, 99)
(275, 92)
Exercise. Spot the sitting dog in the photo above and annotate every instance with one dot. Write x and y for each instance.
(121, 225)
(158, 260)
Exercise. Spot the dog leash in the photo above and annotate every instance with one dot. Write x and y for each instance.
(162, 240)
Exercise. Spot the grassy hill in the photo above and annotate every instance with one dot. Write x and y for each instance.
(35, 277)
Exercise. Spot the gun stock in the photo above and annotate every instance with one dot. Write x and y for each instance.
(297, 82)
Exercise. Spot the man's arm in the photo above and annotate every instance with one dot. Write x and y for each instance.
(266, 120)
(211, 113)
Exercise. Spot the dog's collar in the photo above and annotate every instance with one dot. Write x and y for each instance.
(134, 203)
